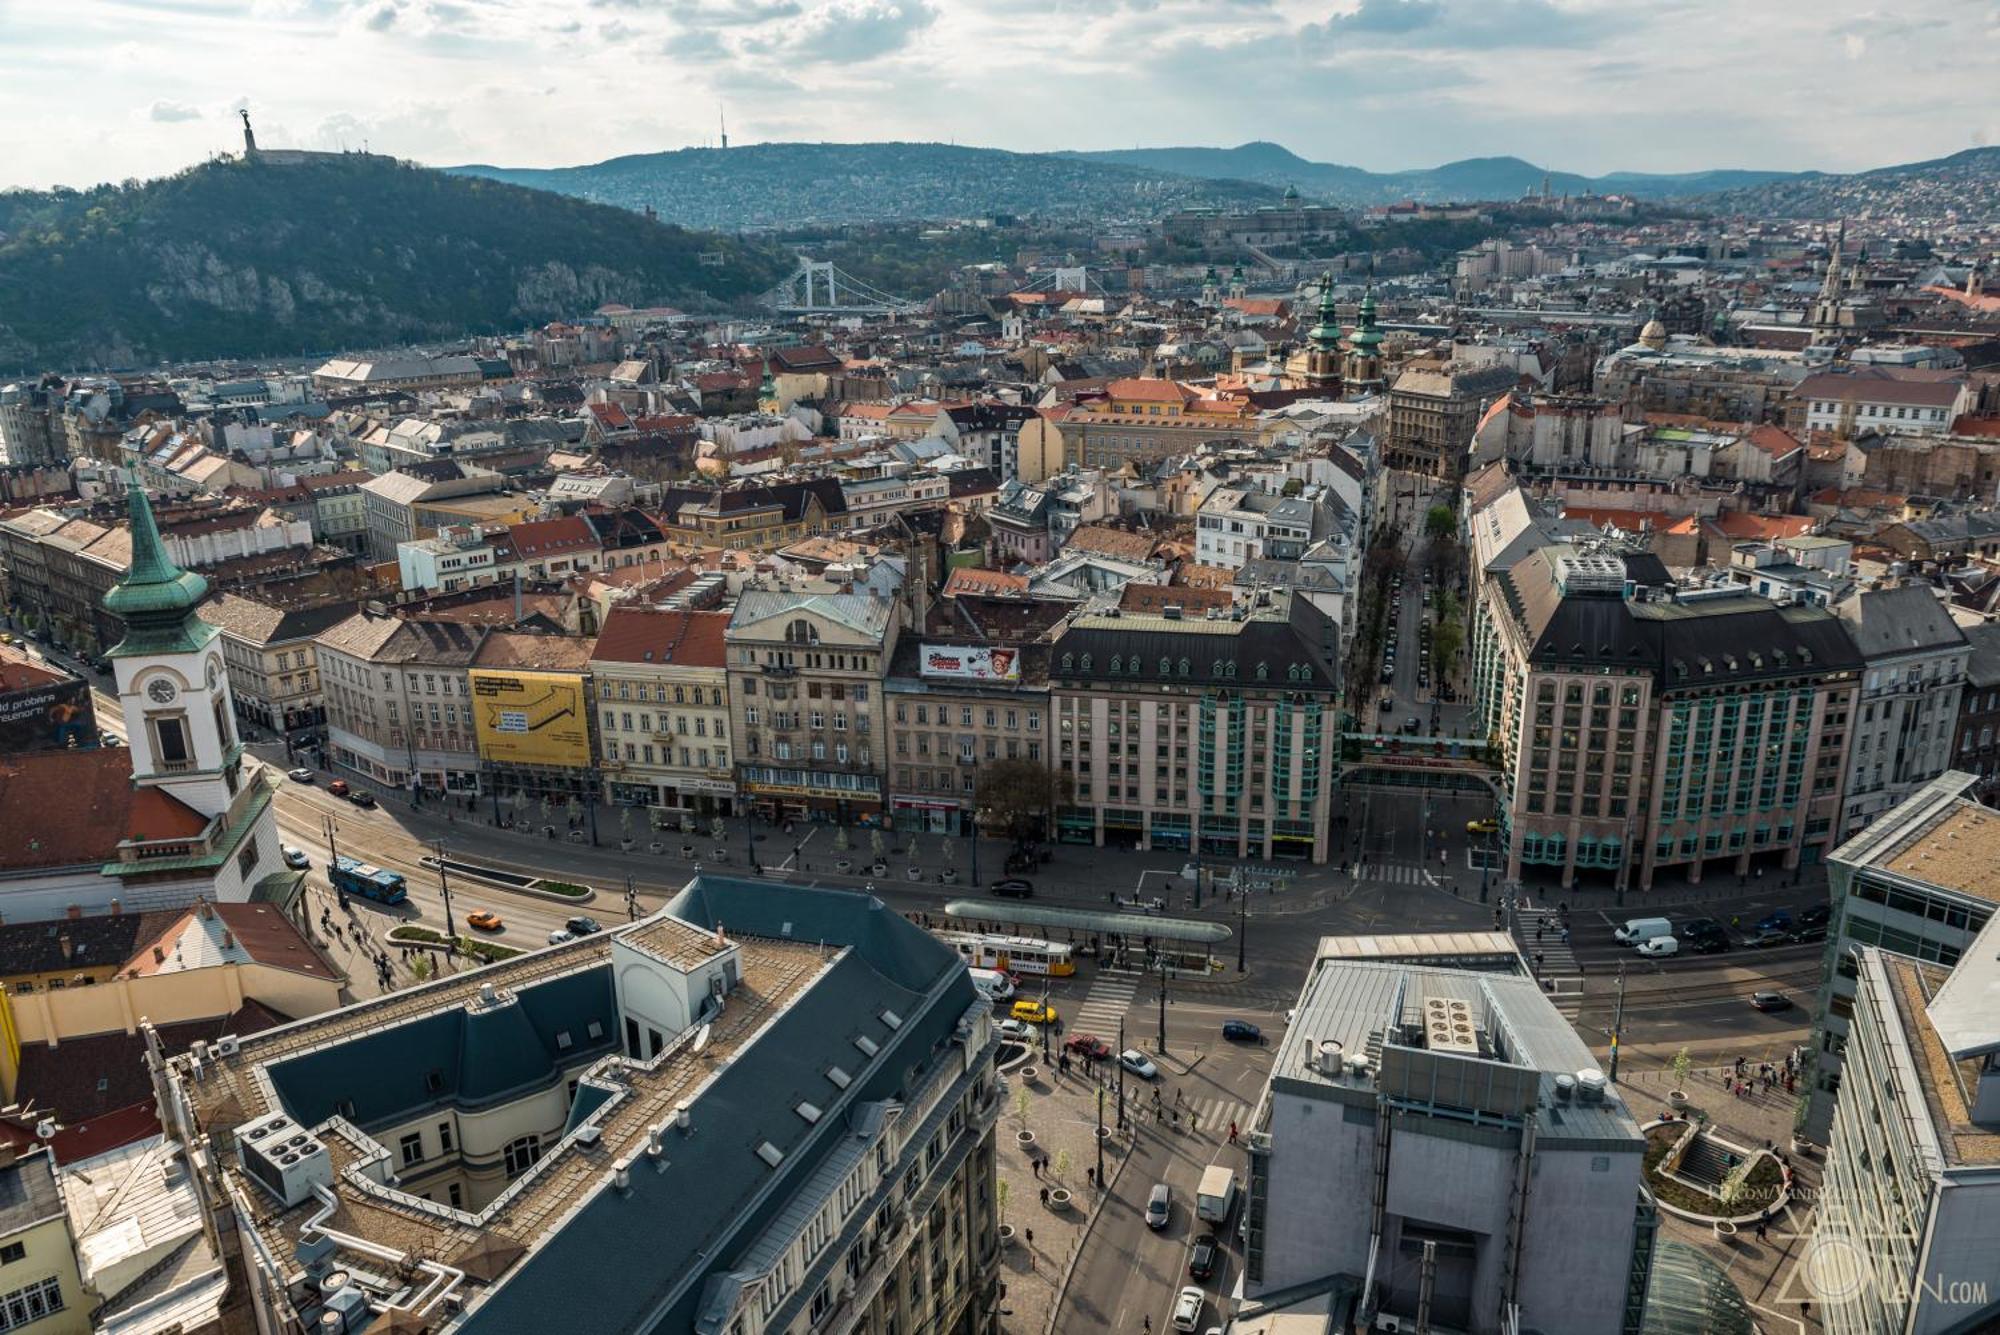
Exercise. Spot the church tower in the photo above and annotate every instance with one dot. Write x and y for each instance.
(1211, 289)
(1238, 285)
(1363, 371)
(1825, 319)
(179, 718)
(1323, 342)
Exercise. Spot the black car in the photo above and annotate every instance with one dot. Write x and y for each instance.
(1712, 943)
(1808, 935)
(1201, 1261)
(582, 925)
(1699, 927)
(1816, 915)
(1013, 888)
(361, 797)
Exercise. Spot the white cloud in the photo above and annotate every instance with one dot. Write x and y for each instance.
(1575, 84)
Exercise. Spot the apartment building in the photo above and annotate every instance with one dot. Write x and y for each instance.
(755, 518)
(1434, 407)
(953, 706)
(1914, 661)
(765, 1108)
(1909, 1203)
(1889, 398)
(1918, 882)
(663, 712)
(805, 690)
(1217, 729)
(399, 702)
(1434, 1134)
(1239, 524)
(270, 655)
(1643, 727)
(1143, 419)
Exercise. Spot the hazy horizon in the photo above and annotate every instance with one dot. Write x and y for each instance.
(142, 88)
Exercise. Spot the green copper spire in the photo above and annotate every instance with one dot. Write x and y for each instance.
(1366, 337)
(155, 598)
(1326, 334)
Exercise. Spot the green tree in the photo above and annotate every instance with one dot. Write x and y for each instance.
(1440, 521)
(1021, 796)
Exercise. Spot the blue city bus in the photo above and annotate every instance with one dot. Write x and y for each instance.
(370, 882)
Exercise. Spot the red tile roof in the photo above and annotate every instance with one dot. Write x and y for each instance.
(62, 808)
(650, 635)
(974, 580)
(1773, 440)
(1742, 527)
(156, 815)
(1150, 391)
(551, 537)
(1971, 425)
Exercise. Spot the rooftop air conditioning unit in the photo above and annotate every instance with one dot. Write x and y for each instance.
(285, 1159)
(1590, 1086)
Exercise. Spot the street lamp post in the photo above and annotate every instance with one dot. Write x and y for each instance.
(444, 888)
(1100, 1137)
(1242, 923)
(1121, 1074)
(1163, 1003)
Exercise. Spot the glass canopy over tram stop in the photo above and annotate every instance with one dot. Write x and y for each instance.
(1138, 940)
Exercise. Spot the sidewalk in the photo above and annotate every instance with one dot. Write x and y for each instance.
(1061, 1111)
(1763, 1270)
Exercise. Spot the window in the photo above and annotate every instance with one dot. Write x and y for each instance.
(170, 742)
(444, 1137)
(412, 1148)
(12, 1252)
(246, 861)
(32, 1303)
(522, 1154)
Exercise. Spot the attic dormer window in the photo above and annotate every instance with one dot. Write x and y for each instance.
(1185, 667)
(1117, 663)
(1086, 662)
(1069, 662)
(1264, 671)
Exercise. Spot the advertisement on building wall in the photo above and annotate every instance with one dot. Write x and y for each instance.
(962, 663)
(530, 718)
(47, 718)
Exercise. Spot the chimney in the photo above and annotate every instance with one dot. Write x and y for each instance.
(203, 911)
(117, 908)
(159, 954)
(229, 940)
(68, 947)
(73, 912)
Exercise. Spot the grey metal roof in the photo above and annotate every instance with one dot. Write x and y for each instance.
(860, 612)
(28, 1192)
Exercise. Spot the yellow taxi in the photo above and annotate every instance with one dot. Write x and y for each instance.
(1482, 827)
(1033, 1012)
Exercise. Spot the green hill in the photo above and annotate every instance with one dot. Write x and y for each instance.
(794, 185)
(296, 255)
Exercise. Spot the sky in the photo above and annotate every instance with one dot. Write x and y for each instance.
(95, 90)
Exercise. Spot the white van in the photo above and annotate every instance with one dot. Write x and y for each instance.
(1659, 947)
(1638, 931)
(1216, 1194)
(992, 984)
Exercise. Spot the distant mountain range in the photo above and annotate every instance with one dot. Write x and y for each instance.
(1966, 183)
(1473, 178)
(299, 254)
(791, 185)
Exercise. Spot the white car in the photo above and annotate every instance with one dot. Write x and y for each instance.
(295, 858)
(1187, 1308)
(300, 775)
(560, 935)
(1659, 947)
(1138, 1064)
(1019, 1031)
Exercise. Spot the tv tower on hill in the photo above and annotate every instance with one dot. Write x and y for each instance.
(722, 123)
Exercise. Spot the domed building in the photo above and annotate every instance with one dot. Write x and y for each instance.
(1653, 336)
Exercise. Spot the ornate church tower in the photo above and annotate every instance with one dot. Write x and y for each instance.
(1211, 289)
(179, 718)
(1238, 285)
(1825, 318)
(1323, 342)
(1363, 372)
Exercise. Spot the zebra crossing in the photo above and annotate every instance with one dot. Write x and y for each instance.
(1210, 1117)
(1396, 873)
(1540, 933)
(1110, 996)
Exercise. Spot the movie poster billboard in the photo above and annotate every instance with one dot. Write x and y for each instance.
(951, 662)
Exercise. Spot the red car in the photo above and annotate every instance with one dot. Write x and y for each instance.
(338, 788)
(1089, 1046)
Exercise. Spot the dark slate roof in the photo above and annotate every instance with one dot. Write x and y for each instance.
(1734, 637)
(1224, 653)
(644, 1256)
(38, 947)
(461, 1056)
(1903, 620)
